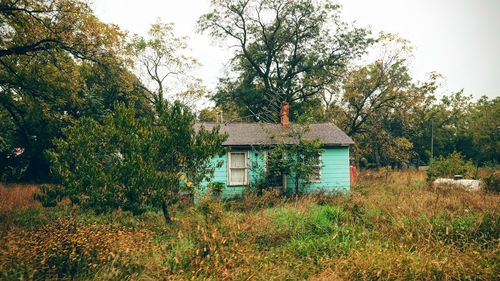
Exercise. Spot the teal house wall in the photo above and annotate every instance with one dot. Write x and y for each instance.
(334, 172)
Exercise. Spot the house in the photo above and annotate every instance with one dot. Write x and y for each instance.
(246, 159)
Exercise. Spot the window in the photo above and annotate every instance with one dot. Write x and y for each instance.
(315, 177)
(237, 168)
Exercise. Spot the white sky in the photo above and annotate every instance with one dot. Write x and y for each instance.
(459, 39)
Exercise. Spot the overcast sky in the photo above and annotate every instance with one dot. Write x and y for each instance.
(459, 39)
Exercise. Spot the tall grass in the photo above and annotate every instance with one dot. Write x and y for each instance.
(15, 197)
(393, 226)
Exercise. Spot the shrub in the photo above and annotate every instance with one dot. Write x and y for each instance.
(216, 188)
(492, 180)
(49, 195)
(449, 166)
(106, 166)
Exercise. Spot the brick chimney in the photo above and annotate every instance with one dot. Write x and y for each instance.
(284, 114)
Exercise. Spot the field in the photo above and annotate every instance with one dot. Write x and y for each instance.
(393, 226)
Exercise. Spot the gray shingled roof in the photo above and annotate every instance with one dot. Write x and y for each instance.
(242, 134)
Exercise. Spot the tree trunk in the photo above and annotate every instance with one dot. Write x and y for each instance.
(297, 185)
(283, 183)
(166, 213)
(377, 158)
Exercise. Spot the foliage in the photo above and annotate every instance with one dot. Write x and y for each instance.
(284, 51)
(184, 148)
(129, 163)
(109, 166)
(216, 188)
(373, 91)
(213, 114)
(454, 164)
(293, 156)
(161, 63)
(484, 127)
(491, 179)
(48, 26)
(58, 62)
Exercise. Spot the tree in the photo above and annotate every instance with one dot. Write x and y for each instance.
(454, 164)
(55, 57)
(184, 151)
(378, 87)
(441, 128)
(214, 114)
(160, 62)
(484, 125)
(54, 25)
(374, 104)
(129, 163)
(299, 160)
(284, 50)
(111, 165)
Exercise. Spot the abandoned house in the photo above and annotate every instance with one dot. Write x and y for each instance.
(242, 166)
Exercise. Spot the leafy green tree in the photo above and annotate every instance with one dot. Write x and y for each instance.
(484, 125)
(370, 91)
(284, 51)
(293, 156)
(131, 163)
(441, 127)
(184, 150)
(53, 26)
(374, 104)
(107, 166)
(58, 62)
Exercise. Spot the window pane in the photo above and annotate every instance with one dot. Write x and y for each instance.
(237, 176)
(237, 160)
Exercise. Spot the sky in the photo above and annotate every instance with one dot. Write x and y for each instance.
(459, 39)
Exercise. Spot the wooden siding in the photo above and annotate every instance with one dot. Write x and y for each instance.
(334, 172)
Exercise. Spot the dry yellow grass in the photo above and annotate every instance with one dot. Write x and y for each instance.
(17, 197)
(407, 193)
(393, 226)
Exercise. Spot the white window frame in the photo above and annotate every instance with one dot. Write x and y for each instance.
(320, 167)
(229, 182)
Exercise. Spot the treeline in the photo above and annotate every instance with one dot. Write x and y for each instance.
(61, 67)
(328, 70)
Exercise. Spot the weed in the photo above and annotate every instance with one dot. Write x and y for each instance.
(391, 227)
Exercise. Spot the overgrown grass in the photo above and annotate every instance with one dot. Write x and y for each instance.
(392, 227)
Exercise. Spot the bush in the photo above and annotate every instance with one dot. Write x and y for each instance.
(449, 166)
(49, 195)
(492, 180)
(216, 188)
